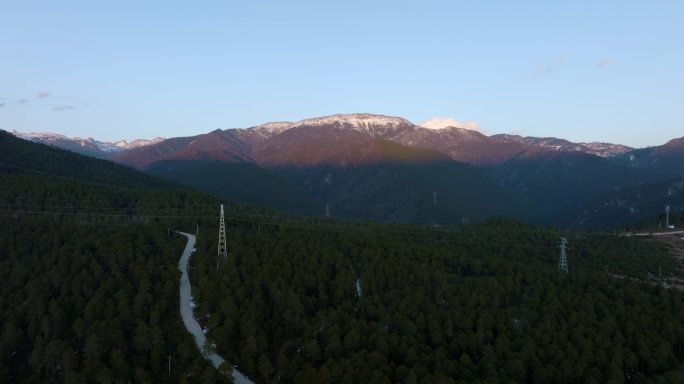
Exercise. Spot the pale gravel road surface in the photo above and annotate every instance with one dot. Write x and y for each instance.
(189, 320)
(654, 233)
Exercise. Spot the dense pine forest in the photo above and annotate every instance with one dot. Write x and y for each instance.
(89, 284)
(484, 303)
(92, 302)
(89, 291)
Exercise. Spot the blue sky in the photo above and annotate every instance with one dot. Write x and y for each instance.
(581, 70)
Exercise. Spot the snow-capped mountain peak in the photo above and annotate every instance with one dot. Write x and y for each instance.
(123, 144)
(361, 122)
(39, 136)
(271, 128)
(87, 146)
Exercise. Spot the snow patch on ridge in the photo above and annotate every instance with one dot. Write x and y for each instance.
(360, 122)
(118, 146)
(123, 144)
(606, 149)
(39, 135)
(562, 145)
(356, 120)
(272, 128)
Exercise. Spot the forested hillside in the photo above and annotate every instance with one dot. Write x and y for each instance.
(629, 207)
(484, 303)
(89, 292)
(88, 277)
(373, 180)
(243, 182)
(24, 156)
(92, 302)
(561, 182)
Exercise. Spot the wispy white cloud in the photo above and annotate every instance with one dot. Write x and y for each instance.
(606, 62)
(36, 101)
(561, 59)
(542, 71)
(10, 102)
(61, 107)
(549, 68)
(443, 122)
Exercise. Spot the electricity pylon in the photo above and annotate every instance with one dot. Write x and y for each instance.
(222, 253)
(563, 261)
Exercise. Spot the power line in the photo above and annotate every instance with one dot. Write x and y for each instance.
(255, 218)
(76, 206)
(454, 237)
(328, 209)
(265, 218)
(152, 191)
(105, 215)
(42, 173)
(108, 202)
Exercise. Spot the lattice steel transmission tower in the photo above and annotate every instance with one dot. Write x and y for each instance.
(222, 252)
(563, 261)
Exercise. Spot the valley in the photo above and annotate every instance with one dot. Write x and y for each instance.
(90, 261)
(366, 166)
(374, 192)
(362, 171)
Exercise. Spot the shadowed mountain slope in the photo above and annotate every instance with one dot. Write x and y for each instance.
(560, 181)
(242, 182)
(383, 180)
(628, 206)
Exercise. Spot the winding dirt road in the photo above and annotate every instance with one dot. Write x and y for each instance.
(189, 320)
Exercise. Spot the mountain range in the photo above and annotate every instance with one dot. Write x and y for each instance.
(88, 264)
(387, 168)
(253, 143)
(87, 146)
